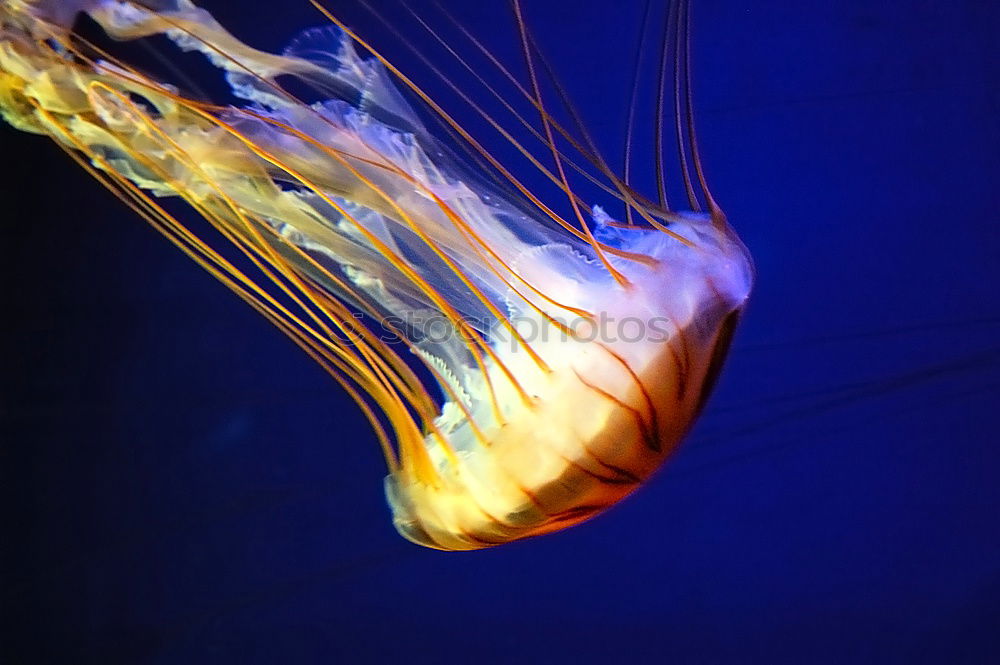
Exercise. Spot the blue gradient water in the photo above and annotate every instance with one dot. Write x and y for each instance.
(183, 485)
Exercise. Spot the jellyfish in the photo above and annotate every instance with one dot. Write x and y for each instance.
(524, 363)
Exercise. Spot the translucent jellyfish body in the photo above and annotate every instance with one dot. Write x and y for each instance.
(523, 370)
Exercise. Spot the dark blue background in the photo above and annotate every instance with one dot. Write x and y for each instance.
(182, 485)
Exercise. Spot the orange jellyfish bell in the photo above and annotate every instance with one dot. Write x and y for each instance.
(602, 407)
(564, 356)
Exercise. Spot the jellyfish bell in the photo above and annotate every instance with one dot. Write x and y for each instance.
(609, 406)
(567, 355)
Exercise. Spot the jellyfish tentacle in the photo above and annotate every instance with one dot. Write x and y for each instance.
(537, 92)
(718, 216)
(680, 57)
(619, 188)
(633, 104)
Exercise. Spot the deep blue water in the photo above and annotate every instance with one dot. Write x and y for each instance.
(183, 485)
